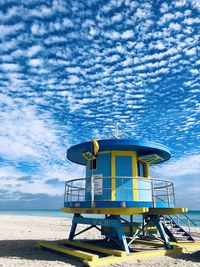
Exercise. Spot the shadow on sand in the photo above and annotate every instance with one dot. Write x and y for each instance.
(193, 256)
(26, 249)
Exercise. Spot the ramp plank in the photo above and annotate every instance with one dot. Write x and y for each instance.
(66, 250)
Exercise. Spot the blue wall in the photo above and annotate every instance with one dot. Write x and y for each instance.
(123, 165)
(103, 168)
(124, 168)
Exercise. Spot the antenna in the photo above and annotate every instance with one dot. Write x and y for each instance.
(117, 133)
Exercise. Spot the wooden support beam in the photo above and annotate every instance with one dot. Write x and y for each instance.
(69, 251)
(92, 247)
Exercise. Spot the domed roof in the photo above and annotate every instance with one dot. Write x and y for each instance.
(144, 149)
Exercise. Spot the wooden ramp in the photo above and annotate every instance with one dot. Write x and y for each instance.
(93, 255)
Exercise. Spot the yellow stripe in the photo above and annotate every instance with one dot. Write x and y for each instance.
(92, 247)
(134, 174)
(111, 211)
(133, 257)
(147, 170)
(113, 174)
(69, 251)
(165, 211)
(104, 152)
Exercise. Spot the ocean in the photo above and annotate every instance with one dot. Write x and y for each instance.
(194, 215)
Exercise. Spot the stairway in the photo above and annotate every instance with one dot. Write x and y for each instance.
(175, 232)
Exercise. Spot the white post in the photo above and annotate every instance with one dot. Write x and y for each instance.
(92, 190)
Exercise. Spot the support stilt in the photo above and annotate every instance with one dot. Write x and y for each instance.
(161, 230)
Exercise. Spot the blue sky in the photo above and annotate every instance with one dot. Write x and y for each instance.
(71, 70)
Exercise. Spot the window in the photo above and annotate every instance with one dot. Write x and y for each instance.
(141, 169)
(92, 164)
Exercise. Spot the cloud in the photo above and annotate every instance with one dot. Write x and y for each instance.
(70, 71)
(10, 67)
(6, 30)
(181, 167)
(36, 62)
(127, 34)
(33, 50)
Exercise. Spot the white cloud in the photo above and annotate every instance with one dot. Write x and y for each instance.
(38, 29)
(174, 26)
(33, 50)
(67, 23)
(10, 67)
(113, 58)
(10, 29)
(30, 139)
(73, 79)
(127, 34)
(36, 62)
(112, 35)
(117, 17)
(180, 3)
(181, 167)
(191, 52)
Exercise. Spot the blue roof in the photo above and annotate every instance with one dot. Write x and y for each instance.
(143, 148)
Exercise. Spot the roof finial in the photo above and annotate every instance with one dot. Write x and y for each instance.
(117, 133)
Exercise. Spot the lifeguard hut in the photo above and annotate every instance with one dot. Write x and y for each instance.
(116, 187)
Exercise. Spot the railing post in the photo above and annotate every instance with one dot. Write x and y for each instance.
(71, 195)
(168, 195)
(152, 190)
(173, 194)
(188, 224)
(92, 191)
(123, 188)
(67, 192)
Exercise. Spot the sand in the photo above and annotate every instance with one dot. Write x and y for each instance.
(19, 234)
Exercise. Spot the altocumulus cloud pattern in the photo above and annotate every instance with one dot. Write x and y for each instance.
(69, 70)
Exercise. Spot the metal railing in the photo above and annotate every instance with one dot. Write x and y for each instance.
(99, 188)
(184, 220)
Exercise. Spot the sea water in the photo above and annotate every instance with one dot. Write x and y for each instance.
(194, 215)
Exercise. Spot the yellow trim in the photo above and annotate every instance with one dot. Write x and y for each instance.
(70, 251)
(104, 152)
(92, 247)
(134, 256)
(113, 175)
(186, 245)
(166, 211)
(89, 153)
(91, 165)
(134, 172)
(111, 211)
(93, 260)
(123, 153)
(147, 170)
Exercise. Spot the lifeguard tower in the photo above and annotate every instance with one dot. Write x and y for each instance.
(117, 187)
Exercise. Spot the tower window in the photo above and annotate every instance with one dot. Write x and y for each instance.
(92, 164)
(141, 169)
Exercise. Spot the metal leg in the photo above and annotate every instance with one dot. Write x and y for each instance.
(113, 221)
(121, 236)
(73, 228)
(161, 230)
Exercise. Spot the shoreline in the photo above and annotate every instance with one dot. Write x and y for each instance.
(19, 235)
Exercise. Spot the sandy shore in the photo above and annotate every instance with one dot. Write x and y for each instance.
(19, 234)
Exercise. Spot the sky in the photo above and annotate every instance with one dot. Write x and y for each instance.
(70, 70)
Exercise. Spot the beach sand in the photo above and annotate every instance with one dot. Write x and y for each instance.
(19, 235)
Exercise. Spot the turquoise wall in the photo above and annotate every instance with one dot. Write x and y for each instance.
(124, 168)
(103, 168)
